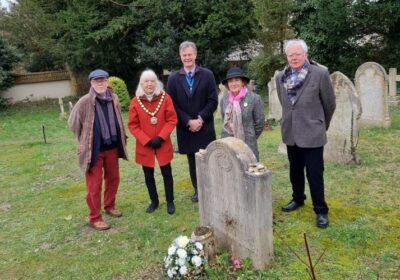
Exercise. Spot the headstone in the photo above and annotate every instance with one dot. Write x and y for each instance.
(282, 148)
(63, 114)
(372, 86)
(394, 99)
(222, 91)
(274, 106)
(344, 129)
(70, 106)
(251, 86)
(235, 200)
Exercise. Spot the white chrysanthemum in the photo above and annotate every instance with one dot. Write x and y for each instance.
(195, 252)
(199, 246)
(171, 250)
(196, 260)
(181, 253)
(181, 262)
(183, 270)
(170, 273)
(182, 241)
(167, 261)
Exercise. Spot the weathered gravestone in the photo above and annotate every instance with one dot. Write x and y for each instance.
(235, 200)
(394, 98)
(343, 130)
(274, 106)
(372, 86)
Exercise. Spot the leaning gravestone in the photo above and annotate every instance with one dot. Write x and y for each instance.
(372, 87)
(235, 200)
(343, 130)
(274, 106)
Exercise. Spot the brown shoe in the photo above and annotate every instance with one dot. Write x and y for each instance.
(114, 212)
(99, 225)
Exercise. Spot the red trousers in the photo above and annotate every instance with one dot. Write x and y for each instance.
(107, 160)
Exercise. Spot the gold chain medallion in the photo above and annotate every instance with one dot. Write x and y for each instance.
(153, 119)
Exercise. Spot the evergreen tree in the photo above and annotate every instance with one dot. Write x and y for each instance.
(125, 36)
(7, 59)
(343, 34)
(273, 17)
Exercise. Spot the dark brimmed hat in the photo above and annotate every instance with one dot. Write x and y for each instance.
(235, 72)
(98, 73)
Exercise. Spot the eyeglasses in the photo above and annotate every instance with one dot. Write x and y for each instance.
(295, 55)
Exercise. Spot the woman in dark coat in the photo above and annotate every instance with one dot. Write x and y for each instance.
(242, 110)
(152, 118)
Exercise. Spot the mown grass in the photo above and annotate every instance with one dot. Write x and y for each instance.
(44, 233)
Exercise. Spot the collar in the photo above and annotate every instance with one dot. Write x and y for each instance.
(155, 97)
(189, 70)
(184, 71)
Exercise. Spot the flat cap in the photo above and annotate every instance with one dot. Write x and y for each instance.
(98, 73)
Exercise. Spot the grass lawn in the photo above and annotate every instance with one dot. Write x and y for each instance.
(44, 233)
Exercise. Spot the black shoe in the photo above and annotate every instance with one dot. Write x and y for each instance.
(322, 220)
(291, 206)
(170, 208)
(195, 197)
(153, 206)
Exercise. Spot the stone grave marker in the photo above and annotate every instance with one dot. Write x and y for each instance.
(344, 129)
(394, 98)
(274, 106)
(63, 114)
(235, 200)
(372, 86)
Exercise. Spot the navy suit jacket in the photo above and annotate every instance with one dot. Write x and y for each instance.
(202, 101)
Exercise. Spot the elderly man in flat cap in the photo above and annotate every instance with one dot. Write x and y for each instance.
(97, 123)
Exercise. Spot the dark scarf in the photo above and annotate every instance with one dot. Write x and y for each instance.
(293, 82)
(108, 127)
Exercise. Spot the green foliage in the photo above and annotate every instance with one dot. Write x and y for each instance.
(126, 36)
(217, 27)
(341, 34)
(119, 88)
(344, 34)
(8, 58)
(263, 67)
(273, 17)
(28, 27)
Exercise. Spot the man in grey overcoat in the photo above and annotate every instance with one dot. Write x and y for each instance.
(308, 102)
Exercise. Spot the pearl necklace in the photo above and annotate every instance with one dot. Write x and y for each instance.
(153, 119)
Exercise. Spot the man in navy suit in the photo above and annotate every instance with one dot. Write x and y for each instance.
(306, 94)
(194, 92)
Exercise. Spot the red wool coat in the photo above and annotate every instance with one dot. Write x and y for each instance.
(140, 126)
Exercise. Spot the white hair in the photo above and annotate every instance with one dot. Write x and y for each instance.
(300, 42)
(187, 44)
(149, 75)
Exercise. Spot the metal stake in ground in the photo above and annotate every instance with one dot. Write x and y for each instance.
(44, 134)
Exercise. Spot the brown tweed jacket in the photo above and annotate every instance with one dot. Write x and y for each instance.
(81, 121)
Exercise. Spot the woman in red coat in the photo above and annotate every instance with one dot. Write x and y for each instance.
(152, 118)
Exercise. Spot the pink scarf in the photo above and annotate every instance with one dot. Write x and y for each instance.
(233, 115)
(235, 100)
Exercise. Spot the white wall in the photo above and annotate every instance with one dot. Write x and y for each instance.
(38, 91)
